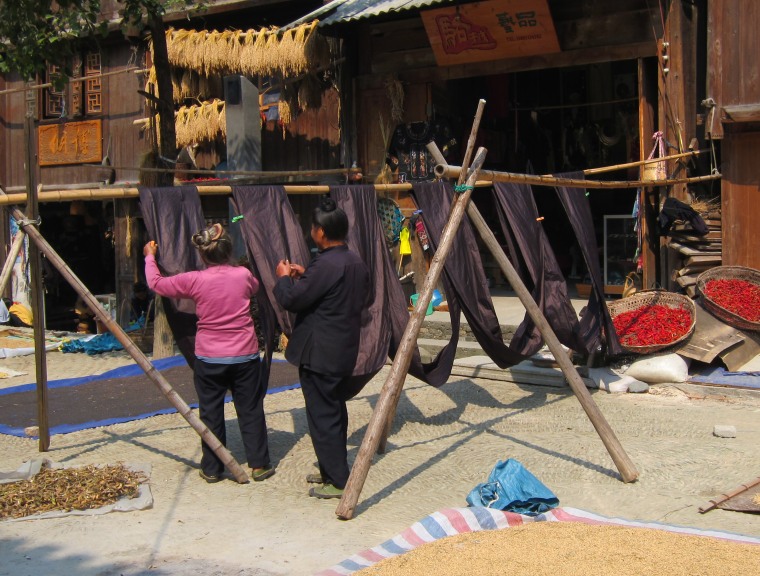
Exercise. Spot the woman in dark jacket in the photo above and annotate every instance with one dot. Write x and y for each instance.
(328, 298)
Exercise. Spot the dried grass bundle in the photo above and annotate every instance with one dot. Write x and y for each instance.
(68, 489)
(309, 93)
(706, 206)
(200, 123)
(316, 48)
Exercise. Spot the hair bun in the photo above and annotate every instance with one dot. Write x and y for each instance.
(208, 235)
(328, 205)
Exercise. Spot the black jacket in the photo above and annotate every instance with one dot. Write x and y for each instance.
(328, 301)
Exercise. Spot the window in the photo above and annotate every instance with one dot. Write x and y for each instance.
(80, 98)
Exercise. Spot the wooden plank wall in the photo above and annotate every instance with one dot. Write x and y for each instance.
(733, 69)
(740, 195)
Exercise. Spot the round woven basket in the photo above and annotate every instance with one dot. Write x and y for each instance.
(727, 273)
(651, 298)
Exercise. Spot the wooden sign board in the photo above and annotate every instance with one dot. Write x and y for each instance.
(70, 143)
(492, 30)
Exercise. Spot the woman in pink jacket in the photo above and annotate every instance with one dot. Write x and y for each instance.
(226, 346)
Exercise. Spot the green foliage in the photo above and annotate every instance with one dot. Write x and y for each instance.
(36, 32)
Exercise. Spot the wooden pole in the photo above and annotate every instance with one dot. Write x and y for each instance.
(394, 383)
(18, 242)
(728, 495)
(469, 149)
(35, 271)
(624, 464)
(158, 379)
(446, 171)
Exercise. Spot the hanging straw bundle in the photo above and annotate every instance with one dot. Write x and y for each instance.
(309, 93)
(316, 48)
(203, 123)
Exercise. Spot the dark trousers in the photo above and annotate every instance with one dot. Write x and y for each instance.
(211, 384)
(327, 416)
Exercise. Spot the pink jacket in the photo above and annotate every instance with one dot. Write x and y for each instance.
(222, 296)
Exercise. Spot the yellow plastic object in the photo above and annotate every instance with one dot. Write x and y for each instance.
(405, 247)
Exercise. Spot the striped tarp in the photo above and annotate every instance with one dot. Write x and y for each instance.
(452, 521)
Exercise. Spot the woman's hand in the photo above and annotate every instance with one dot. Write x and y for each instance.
(283, 269)
(150, 248)
(296, 270)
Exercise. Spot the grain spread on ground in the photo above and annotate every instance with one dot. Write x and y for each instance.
(574, 549)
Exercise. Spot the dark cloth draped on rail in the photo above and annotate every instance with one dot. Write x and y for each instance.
(464, 278)
(383, 329)
(538, 268)
(172, 216)
(272, 233)
(597, 316)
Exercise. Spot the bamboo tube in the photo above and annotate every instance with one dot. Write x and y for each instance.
(446, 171)
(391, 390)
(728, 495)
(18, 242)
(131, 192)
(158, 379)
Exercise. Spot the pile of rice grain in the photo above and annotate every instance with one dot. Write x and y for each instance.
(574, 549)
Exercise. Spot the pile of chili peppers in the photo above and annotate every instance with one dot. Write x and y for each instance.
(652, 325)
(738, 296)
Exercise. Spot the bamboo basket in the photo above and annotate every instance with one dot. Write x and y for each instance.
(651, 298)
(727, 273)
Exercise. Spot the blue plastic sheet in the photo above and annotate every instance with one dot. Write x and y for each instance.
(97, 345)
(512, 488)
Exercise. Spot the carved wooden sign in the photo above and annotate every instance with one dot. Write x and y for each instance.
(70, 143)
(490, 30)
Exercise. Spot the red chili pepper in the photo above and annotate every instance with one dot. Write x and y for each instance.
(652, 325)
(737, 296)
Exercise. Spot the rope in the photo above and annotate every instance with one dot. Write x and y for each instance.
(461, 188)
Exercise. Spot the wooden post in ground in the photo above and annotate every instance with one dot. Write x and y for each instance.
(156, 377)
(394, 383)
(624, 464)
(423, 303)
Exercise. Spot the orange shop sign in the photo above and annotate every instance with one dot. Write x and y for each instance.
(70, 143)
(491, 30)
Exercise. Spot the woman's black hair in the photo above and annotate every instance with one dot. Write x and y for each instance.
(214, 244)
(331, 219)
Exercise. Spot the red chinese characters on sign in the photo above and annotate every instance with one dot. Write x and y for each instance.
(70, 143)
(490, 30)
(458, 34)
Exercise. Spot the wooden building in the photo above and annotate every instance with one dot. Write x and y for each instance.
(570, 85)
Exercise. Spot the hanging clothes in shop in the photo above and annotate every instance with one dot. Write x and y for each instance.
(172, 216)
(272, 233)
(597, 317)
(408, 152)
(537, 266)
(463, 277)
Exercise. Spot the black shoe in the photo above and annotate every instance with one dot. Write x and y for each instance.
(315, 478)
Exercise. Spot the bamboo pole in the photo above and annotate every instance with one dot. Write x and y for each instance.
(613, 168)
(71, 80)
(158, 379)
(446, 171)
(252, 173)
(624, 464)
(394, 383)
(728, 495)
(10, 260)
(113, 193)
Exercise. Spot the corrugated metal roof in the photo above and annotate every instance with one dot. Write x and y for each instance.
(348, 10)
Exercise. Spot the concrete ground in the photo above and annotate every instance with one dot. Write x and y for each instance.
(443, 442)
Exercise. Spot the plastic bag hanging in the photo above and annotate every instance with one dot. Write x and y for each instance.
(656, 170)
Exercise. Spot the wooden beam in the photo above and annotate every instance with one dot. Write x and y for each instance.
(740, 113)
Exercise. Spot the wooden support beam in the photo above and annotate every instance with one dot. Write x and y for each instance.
(391, 390)
(155, 376)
